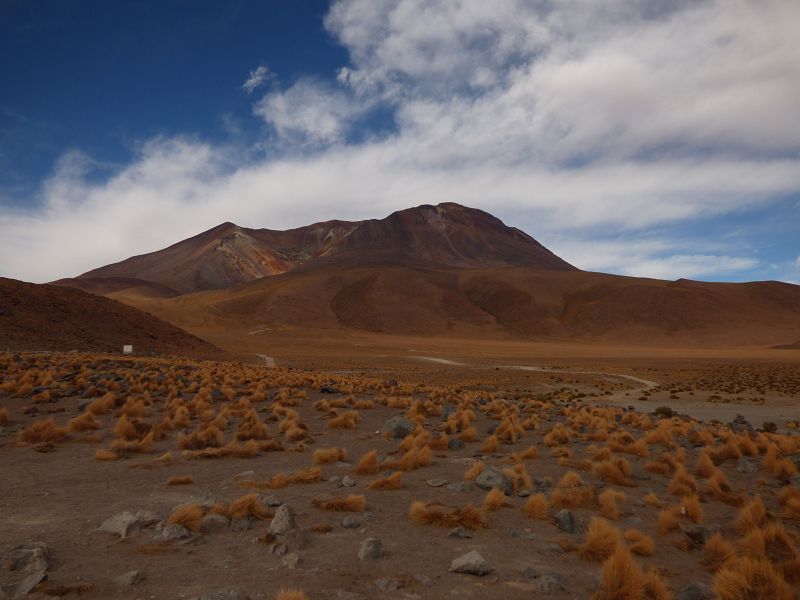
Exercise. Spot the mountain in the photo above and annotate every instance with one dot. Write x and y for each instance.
(447, 235)
(443, 270)
(795, 346)
(49, 317)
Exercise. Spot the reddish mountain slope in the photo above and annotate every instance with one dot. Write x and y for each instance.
(445, 235)
(48, 317)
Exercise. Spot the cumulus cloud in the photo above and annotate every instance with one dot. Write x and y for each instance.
(256, 79)
(573, 120)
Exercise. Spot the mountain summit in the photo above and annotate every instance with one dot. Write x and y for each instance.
(447, 235)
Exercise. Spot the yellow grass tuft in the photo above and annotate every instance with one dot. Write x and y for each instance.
(747, 577)
(442, 516)
(392, 482)
(325, 456)
(717, 552)
(368, 465)
(622, 579)
(42, 431)
(608, 503)
(602, 539)
(751, 516)
(188, 515)
(105, 454)
(639, 543)
(690, 507)
(85, 422)
(536, 507)
(181, 480)
(291, 594)
(494, 500)
(3, 415)
(475, 470)
(351, 503)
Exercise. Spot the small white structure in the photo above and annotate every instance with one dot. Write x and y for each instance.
(127, 349)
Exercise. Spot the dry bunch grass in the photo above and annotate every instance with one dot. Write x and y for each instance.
(392, 482)
(105, 454)
(639, 543)
(3, 415)
(616, 471)
(368, 465)
(536, 507)
(188, 515)
(608, 503)
(181, 480)
(717, 552)
(351, 503)
(745, 578)
(752, 515)
(621, 579)
(602, 538)
(442, 516)
(325, 456)
(291, 594)
(84, 422)
(495, 500)
(475, 470)
(41, 431)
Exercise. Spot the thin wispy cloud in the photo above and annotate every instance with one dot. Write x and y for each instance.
(258, 77)
(574, 121)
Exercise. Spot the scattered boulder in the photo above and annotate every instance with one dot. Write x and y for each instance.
(351, 523)
(283, 522)
(740, 425)
(399, 427)
(328, 388)
(29, 560)
(436, 482)
(459, 532)
(128, 579)
(456, 444)
(230, 594)
(492, 477)
(214, 522)
(347, 482)
(550, 583)
(371, 549)
(176, 532)
(291, 560)
(388, 584)
(565, 521)
(471, 563)
(122, 524)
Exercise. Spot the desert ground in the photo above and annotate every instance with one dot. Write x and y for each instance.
(572, 470)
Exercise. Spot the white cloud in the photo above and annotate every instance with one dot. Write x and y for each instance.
(574, 120)
(256, 79)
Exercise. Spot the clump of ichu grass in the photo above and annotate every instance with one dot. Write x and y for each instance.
(443, 516)
(350, 503)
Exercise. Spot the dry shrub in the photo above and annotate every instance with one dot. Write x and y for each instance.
(654, 586)
(3, 415)
(529, 453)
(491, 444)
(719, 487)
(413, 459)
(102, 405)
(443, 516)
(668, 519)
(717, 552)
(133, 408)
(44, 430)
(475, 470)
(519, 477)
(392, 482)
(321, 528)
(772, 542)
(690, 507)
(346, 420)
(650, 499)
(536, 507)
(325, 456)
(601, 540)
(291, 594)
(351, 503)
(206, 436)
(751, 516)
(85, 422)
(281, 480)
(368, 465)
(494, 500)
(470, 434)
(181, 480)
(615, 471)
(571, 492)
(143, 446)
(745, 578)
(682, 483)
(622, 579)
(105, 454)
(608, 503)
(244, 507)
(639, 542)
(188, 515)
(558, 436)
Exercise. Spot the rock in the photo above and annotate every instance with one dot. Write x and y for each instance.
(747, 465)
(348, 482)
(565, 521)
(436, 482)
(388, 584)
(242, 524)
(740, 425)
(83, 403)
(513, 532)
(328, 388)
(371, 549)
(128, 579)
(122, 524)
(549, 583)
(530, 573)
(399, 427)
(456, 444)
(448, 410)
(492, 477)
(523, 493)
(214, 522)
(271, 501)
(461, 486)
(146, 518)
(291, 560)
(542, 483)
(424, 580)
(471, 563)
(176, 532)
(32, 562)
(231, 594)
(459, 532)
(283, 522)
(695, 591)
(351, 523)
(345, 595)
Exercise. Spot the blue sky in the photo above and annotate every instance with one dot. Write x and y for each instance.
(638, 137)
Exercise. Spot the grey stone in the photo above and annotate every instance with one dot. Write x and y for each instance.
(424, 580)
(242, 524)
(740, 425)
(271, 501)
(549, 583)
(176, 532)
(283, 522)
(492, 477)
(348, 482)
(388, 584)
(524, 493)
(747, 465)
(471, 563)
(542, 483)
(146, 518)
(694, 591)
(513, 532)
(399, 427)
(128, 579)
(456, 444)
(371, 549)
(565, 521)
(461, 486)
(459, 532)
(351, 523)
(214, 522)
(345, 595)
(122, 524)
(83, 403)
(291, 560)
(436, 482)
(32, 562)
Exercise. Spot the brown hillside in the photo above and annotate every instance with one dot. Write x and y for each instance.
(48, 317)
(447, 235)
